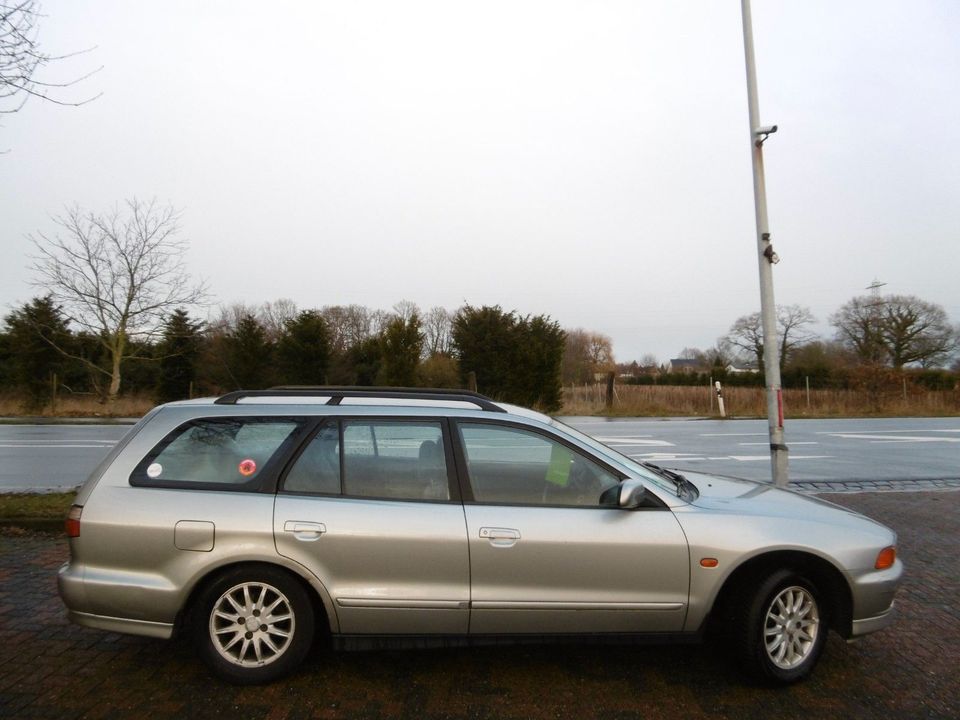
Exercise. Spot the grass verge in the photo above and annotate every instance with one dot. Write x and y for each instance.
(700, 401)
(35, 511)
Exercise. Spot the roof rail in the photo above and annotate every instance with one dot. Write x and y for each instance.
(337, 393)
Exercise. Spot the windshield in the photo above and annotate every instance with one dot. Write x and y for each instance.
(631, 464)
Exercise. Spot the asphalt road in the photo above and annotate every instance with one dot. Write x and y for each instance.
(843, 449)
(50, 457)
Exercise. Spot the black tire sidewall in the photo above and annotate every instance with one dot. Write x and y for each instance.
(303, 633)
(752, 620)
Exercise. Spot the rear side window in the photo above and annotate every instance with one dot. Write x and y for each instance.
(232, 453)
(400, 460)
(384, 459)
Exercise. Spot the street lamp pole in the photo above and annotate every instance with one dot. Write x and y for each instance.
(766, 259)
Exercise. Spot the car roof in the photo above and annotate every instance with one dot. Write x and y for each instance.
(337, 400)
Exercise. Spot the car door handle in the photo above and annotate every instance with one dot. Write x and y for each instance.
(307, 531)
(500, 537)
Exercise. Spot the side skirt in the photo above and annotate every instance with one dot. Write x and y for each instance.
(425, 642)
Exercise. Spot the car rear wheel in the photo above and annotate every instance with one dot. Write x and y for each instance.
(781, 628)
(253, 624)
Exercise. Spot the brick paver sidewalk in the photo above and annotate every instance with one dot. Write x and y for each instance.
(51, 669)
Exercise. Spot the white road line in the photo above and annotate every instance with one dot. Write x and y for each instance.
(666, 456)
(752, 458)
(877, 430)
(621, 437)
(760, 434)
(44, 447)
(894, 438)
(791, 444)
(638, 443)
(72, 441)
(117, 426)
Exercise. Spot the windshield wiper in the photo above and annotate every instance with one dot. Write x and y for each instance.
(683, 485)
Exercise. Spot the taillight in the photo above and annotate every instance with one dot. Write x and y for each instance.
(73, 521)
(886, 558)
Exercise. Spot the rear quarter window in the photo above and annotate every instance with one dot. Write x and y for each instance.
(222, 453)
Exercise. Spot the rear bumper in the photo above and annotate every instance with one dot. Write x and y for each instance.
(164, 631)
(73, 592)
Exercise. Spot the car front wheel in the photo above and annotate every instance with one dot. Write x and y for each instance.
(253, 625)
(781, 628)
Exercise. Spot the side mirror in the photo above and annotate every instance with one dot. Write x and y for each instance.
(632, 494)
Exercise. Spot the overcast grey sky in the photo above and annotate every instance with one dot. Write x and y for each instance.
(588, 160)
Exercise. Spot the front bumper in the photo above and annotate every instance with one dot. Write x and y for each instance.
(873, 594)
(872, 624)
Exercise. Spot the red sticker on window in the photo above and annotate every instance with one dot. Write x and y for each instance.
(247, 467)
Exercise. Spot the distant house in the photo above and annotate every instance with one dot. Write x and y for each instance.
(684, 365)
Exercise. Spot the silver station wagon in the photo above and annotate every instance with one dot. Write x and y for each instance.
(259, 520)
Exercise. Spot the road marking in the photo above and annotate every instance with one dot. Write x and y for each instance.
(733, 434)
(44, 447)
(879, 430)
(634, 441)
(656, 457)
(683, 457)
(621, 437)
(895, 439)
(753, 458)
(811, 442)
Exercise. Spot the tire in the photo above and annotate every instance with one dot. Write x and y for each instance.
(253, 624)
(780, 627)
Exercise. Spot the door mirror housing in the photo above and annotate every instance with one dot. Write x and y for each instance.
(632, 494)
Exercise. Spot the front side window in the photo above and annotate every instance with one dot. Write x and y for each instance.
(231, 452)
(391, 459)
(519, 467)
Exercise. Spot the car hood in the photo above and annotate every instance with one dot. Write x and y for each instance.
(733, 495)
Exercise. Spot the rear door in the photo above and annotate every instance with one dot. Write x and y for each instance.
(372, 508)
(549, 554)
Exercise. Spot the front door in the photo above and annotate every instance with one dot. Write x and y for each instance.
(549, 556)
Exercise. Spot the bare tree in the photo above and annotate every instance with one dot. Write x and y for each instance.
(895, 330)
(117, 275)
(275, 315)
(858, 324)
(436, 328)
(793, 321)
(21, 58)
(600, 351)
(349, 325)
(746, 335)
(585, 354)
(227, 317)
(692, 353)
(406, 309)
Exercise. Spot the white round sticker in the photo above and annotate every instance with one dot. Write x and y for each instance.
(154, 470)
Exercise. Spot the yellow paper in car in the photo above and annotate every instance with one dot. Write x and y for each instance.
(558, 472)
